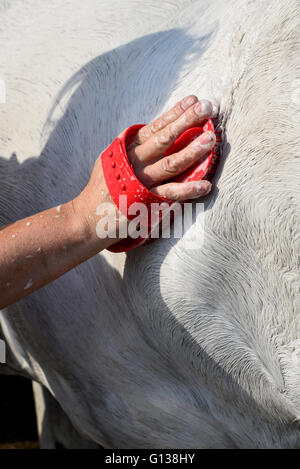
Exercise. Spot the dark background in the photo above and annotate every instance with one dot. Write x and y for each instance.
(17, 413)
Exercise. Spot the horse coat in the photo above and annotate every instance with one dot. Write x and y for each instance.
(165, 346)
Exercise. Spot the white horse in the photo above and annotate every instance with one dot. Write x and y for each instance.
(166, 346)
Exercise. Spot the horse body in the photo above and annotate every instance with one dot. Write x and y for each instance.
(167, 346)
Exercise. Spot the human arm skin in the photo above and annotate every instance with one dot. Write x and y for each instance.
(36, 250)
(39, 249)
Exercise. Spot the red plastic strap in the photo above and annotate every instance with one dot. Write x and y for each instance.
(121, 180)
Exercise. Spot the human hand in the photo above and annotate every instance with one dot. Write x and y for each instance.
(146, 154)
(37, 250)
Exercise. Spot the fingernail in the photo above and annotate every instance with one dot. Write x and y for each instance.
(207, 139)
(215, 110)
(188, 102)
(202, 187)
(203, 108)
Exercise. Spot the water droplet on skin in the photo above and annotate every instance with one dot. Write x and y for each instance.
(28, 223)
(13, 236)
(28, 284)
(57, 216)
(58, 208)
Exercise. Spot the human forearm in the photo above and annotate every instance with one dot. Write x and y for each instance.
(39, 249)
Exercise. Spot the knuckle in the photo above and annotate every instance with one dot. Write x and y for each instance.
(191, 116)
(170, 165)
(167, 136)
(178, 109)
(145, 132)
(171, 194)
(158, 124)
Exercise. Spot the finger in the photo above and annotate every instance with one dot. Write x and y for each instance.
(145, 132)
(183, 190)
(158, 143)
(175, 164)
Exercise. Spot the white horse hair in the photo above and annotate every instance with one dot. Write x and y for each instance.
(165, 347)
